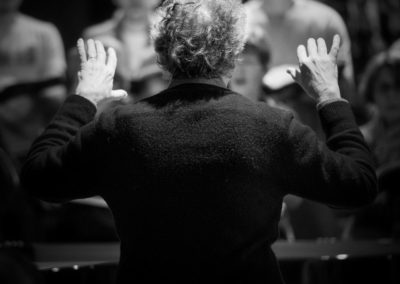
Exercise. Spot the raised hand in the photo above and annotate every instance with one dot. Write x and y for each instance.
(97, 72)
(318, 71)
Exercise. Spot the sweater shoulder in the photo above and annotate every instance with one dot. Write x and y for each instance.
(116, 113)
(279, 117)
(228, 106)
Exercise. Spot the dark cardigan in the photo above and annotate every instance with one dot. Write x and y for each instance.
(195, 177)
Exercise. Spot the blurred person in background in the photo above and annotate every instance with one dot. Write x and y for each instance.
(252, 65)
(288, 23)
(389, 20)
(247, 77)
(363, 20)
(380, 85)
(32, 73)
(128, 32)
(365, 28)
(151, 81)
(373, 26)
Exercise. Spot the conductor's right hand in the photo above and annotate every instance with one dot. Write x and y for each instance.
(318, 71)
(97, 73)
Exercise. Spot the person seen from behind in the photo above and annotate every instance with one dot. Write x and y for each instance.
(195, 175)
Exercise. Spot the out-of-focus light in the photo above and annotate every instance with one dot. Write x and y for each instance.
(342, 256)
(75, 267)
(55, 269)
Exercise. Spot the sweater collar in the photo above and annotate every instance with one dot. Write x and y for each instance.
(219, 82)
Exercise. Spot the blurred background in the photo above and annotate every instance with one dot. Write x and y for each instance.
(42, 242)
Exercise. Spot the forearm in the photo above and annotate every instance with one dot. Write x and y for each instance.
(73, 114)
(63, 162)
(50, 161)
(352, 181)
(339, 173)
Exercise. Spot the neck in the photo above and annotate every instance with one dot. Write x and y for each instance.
(6, 19)
(219, 82)
(277, 7)
(6, 16)
(131, 16)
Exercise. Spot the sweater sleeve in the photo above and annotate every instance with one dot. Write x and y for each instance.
(340, 172)
(60, 164)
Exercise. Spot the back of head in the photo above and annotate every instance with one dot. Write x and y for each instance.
(199, 39)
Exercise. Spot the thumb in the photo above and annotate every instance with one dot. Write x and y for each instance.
(118, 94)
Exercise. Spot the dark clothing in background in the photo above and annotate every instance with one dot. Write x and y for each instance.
(195, 177)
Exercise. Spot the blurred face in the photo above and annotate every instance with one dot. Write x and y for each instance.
(7, 6)
(386, 94)
(247, 76)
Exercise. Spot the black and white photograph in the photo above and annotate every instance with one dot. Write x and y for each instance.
(199, 141)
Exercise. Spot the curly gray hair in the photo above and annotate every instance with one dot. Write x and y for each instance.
(199, 39)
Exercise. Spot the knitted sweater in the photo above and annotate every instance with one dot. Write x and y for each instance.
(195, 177)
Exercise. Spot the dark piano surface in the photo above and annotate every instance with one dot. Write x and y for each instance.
(74, 256)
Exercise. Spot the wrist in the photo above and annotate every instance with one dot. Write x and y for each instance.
(90, 98)
(327, 102)
(88, 93)
(329, 94)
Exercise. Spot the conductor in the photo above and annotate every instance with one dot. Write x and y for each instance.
(195, 175)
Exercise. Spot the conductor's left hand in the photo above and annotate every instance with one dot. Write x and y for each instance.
(97, 73)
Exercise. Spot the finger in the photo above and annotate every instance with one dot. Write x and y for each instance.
(111, 59)
(91, 49)
(301, 53)
(81, 50)
(335, 47)
(119, 94)
(312, 47)
(322, 50)
(101, 53)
